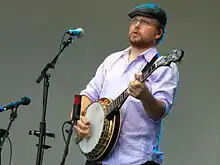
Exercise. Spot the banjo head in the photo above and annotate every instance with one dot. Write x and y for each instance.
(95, 115)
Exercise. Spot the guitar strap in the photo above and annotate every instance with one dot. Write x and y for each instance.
(149, 64)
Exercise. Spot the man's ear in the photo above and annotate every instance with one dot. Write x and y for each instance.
(159, 33)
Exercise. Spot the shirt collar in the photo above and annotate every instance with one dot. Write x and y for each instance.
(148, 54)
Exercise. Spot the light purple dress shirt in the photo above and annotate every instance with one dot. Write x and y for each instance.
(140, 135)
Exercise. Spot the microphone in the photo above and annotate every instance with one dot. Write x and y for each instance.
(24, 101)
(37, 133)
(79, 32)
(76, 108)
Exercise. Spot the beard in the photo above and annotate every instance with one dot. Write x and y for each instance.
(138, 41)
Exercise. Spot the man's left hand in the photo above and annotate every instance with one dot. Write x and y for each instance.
(137, 88)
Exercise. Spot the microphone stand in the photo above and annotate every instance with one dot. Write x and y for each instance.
(44, 75)
(13, 115)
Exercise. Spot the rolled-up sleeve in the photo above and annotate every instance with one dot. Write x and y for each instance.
(94, 87)
(165, 81)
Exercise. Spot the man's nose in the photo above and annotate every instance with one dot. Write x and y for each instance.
(137, 24)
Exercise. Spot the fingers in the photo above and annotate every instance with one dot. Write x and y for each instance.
(136, 76)
(135, 84)
(132, 92)
(83, 127)
(139, 77)
(82, 133)
(84, 121)
(136, 87)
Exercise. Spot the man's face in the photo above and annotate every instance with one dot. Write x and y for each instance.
(143, 31)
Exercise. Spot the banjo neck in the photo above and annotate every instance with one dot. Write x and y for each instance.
(118, 102)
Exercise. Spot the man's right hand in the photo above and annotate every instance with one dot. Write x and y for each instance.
(82, 128)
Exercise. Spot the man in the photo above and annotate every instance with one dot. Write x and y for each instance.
(148, 103)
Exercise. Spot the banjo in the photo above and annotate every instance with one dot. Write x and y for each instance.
(105, 117)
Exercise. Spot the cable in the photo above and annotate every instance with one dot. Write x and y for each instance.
(10, 147)
(63, 131)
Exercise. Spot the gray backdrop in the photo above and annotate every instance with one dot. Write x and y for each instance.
(30, 36)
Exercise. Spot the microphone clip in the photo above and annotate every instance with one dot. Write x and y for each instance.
(37, 133)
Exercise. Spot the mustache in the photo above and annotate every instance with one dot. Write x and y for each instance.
(135, 32)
